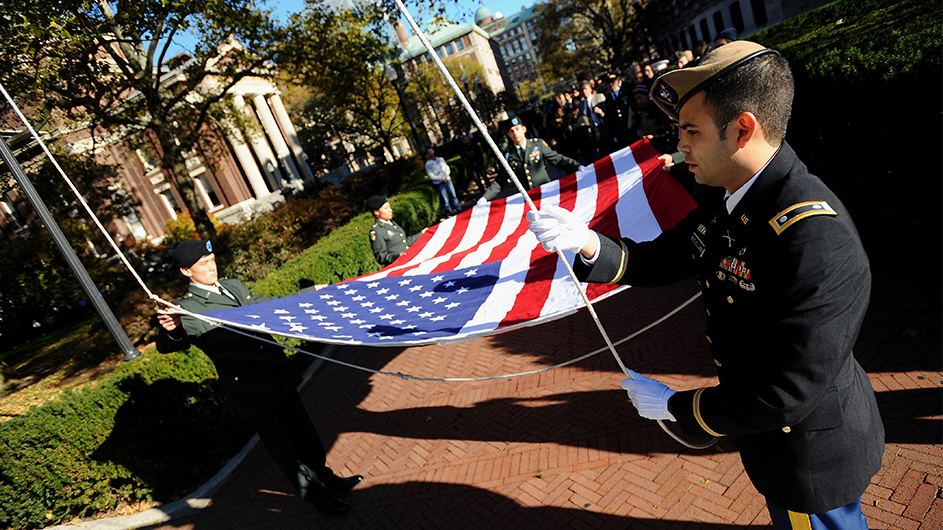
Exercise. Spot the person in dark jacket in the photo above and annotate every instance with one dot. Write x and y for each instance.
(256, 376)
(528, 159)
(785, 283)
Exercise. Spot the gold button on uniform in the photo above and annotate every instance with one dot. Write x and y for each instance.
(717, 363)
(787, 429)
(729, 299)
(707, 284)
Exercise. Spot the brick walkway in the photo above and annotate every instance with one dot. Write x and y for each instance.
(564, 449)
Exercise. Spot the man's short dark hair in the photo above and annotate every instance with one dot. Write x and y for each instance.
(763, 86)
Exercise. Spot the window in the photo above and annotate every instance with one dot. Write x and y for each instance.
(13, 213)
(705, 31)
(440, 53)
(135, 226)
(147, 158)
(209, 195)
(458, 45)
(759, 12)
(449, 49)
(719, 22)
(736, 16)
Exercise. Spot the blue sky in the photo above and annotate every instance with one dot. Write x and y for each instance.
(460, 11)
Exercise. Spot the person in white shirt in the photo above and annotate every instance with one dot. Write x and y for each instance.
(438, 172)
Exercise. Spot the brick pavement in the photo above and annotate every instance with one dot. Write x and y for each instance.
(564, 449)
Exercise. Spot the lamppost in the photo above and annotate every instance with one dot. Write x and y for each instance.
(391, 77)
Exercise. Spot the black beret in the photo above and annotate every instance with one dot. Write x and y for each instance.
(376, 202)
(510, 122)
(188, 252)
(729, 33)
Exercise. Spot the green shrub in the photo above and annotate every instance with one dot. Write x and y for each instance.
(102, 446)
(346, 252)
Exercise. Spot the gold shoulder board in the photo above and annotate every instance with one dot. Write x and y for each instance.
(797, 212)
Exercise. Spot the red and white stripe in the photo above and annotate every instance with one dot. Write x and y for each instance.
(626, 194)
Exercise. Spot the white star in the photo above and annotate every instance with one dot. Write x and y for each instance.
(311, 311)
(327, 296)
(305, 305)
(419, 333)
(366, 326)
(403, 303)
(449, 283)
(426, 294)
(376, 310)
(375, 334)
(372, 285)
(287, 318)
(386, 338)
(358, 298)
(326, 324)
(462, 290)
(438, 278)
(341, 308)
(405, 282)
(281, 312)
(366, 304)
(383, 291)
(453, 304)
(318, 317)
(439, 300)
(358, 321)
(351, 292)
(471, 272)
(415, 288)
(253, 316)
(334, 302)
(426, 314)
(436, 319)
(386, 316)
(411, 326)
(297, 328)
(335, 328)
(413, 309)
(352, 315)
(392, 297)
(343, 286)
(396, 322)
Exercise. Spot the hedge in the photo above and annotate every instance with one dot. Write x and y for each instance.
(119, 440)
(95, 449)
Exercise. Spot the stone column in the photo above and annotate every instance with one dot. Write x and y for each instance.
(288, 130)
(244, 155)
(275, 136)
(262, 151)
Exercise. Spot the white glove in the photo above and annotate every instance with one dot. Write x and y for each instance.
(482, 201)
(650, 397)
(558, 228)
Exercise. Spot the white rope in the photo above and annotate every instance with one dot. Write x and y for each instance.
(461, 96)
(75, 190)
(222, 324)
(507, 168)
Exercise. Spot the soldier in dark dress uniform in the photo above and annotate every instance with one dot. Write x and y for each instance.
(387, 238)
(785, 283)
(528, 159)
(257, 378)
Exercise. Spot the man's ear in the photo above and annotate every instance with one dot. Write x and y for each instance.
(748, 128)
(186, 272)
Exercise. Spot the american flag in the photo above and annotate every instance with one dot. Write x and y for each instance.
(481, 272)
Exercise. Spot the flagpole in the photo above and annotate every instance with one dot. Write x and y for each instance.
(507, 168)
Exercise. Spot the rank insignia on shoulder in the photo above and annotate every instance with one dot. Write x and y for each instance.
(797, 212)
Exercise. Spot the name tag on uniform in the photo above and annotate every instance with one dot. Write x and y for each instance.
(698, 244)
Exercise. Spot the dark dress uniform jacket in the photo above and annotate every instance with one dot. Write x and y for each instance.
(255, 375)
(785, 284)
(389, 240)
(531, 169)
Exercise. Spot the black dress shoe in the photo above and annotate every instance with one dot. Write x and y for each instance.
(339, 485)
(327, 503)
